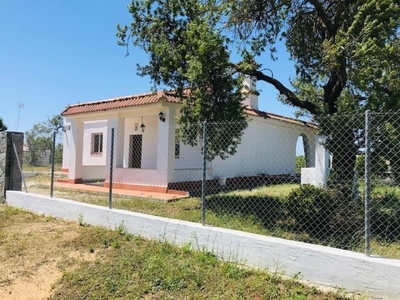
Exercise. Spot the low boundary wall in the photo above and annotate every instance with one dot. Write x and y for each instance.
(372, 276)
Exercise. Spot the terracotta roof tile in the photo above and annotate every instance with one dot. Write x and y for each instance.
(266, 115)
(150, 98)
(120, 102)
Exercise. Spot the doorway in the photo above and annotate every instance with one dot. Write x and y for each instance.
(135, 151)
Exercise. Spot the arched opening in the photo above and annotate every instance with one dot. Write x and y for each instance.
(302, 153)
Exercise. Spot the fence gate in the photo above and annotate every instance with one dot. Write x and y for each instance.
(11, 153)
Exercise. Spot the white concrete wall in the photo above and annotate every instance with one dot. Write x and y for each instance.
(317, 176)
(189, 158)
(94, 172)
(149, 140)
(191, 175)
(75, 149)
(317, 264)
(166, 143)
(94, 159)
(308, 176)
(267, 147)
(66, 141)
(140, 176)
(43, 157)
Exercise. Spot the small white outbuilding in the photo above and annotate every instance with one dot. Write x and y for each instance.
(148, 154)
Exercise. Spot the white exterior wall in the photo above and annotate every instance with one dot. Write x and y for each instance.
(191, 174)
(93, 172)
(149, 140)
(89, 128)
(43, 157)
(318, 175)
(66, 141)
(189, 158)
(267, 147)
(75, 150)
(140, 176)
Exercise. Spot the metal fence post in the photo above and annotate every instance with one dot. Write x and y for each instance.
(111, 169)
(204, 178)
(367, 183)
(53, 152)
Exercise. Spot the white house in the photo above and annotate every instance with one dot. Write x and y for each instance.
(148, 155)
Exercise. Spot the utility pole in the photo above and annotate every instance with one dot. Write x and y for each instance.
(20, 106)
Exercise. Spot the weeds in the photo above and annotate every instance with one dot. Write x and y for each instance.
(80, 220)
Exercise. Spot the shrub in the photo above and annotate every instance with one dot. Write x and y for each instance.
(325, 214)
(385, 216)
(300, 163)
(379, 166)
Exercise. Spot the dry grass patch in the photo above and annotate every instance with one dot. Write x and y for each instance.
(35, 251)
(44, 257)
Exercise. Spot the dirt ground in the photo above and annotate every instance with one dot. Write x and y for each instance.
(34, 252)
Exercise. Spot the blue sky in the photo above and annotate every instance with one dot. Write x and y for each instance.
(55, 53)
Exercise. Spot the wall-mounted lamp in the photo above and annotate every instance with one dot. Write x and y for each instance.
(142, 127)
(161, 116)
(66, 127)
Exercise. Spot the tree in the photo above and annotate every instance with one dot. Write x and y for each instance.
(40, 137)
(3, 126)
(300, 163)
(343, 52)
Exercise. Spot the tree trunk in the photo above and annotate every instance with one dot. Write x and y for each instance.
(344, 149)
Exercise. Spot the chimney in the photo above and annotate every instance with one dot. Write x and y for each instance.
(251, 100)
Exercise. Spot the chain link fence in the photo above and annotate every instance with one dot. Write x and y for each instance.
(335, 184)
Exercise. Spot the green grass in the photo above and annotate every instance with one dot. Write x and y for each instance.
(261, 211)
(122, 266)
(39, 169)
(385, 189)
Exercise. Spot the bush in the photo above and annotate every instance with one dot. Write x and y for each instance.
(385, 216)
(326, 214)
(379, 166)
(300, 163)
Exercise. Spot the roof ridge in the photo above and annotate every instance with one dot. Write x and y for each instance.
(277, 116)
(114, 99)
(120, 102)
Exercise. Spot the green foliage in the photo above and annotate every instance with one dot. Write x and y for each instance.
(326, 214)
(379, 167)
(300, 163)
(3, 126)
(386, 142)
(40, 138)
(58, 154)
(385, 216)
(262, 210)
(254, 208)
(329, 46)
(158, 270)
(346, 57)
(190, 56)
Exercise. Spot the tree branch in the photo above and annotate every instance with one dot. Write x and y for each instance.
(323, 16)
(335, 85)
(283, 90)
